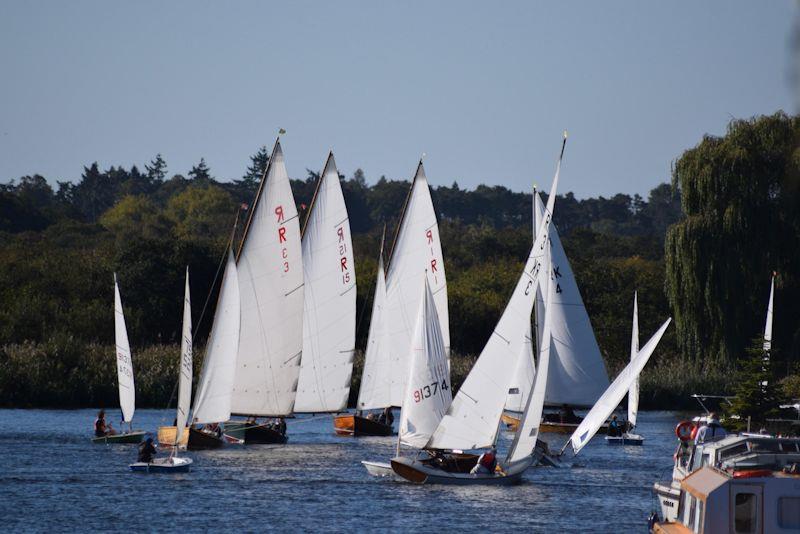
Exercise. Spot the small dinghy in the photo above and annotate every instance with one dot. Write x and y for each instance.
(625, 439)
(127, 391)
(172, 464)
(255, 433)
(356, 425)
(378, 469)
(420, 472)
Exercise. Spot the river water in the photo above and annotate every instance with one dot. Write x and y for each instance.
(53, 478)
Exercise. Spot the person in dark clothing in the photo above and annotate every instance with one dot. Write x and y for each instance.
(101, 428)
(282, 426)
(614, 427)
(147, 451)
(387, 417)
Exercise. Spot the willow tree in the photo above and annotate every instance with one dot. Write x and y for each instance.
(741, 197)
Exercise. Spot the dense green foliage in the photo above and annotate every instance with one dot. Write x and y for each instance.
(741, 197)
(757, 393)
(59, 247)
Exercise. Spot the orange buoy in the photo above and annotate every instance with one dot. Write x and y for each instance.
(685, 430)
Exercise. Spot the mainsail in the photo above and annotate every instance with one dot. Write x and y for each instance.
(416, 248)
(127, 392)
(212, 401)
(633, 392)
(376, 379)
(768, 324)
(473, 417)
(428, 392)
(528, 430)
(577, 373)
(329, 313)
(613, 395)
(270, 269)
(185, 378)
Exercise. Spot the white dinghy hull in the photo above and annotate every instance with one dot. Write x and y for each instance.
(417, 472)
(625, 439)
(163, 465)
(378, 469)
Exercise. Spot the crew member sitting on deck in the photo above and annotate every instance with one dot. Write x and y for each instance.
(281, 426)
(486, 463)
(614, 427)
(386, 418)
(147, 451)
(710, 431)
(101, 428)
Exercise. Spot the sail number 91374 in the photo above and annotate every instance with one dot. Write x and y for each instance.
(428, 391)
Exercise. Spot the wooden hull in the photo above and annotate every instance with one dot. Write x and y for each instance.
(254, 434)
(166, 436)
(422, 472)
(163, 465)
(354, 425)
(128, 437)
(199, 440)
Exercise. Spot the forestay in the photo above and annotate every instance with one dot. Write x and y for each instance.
(416, 248)
(577, 372)
(127, 392)
(376, 379)
(528, 430)
(185, 378)
(271, 284)
(633, 392)
(212, 401)
(613, 395)
(428, 391)
(329, 313)
(473, 417)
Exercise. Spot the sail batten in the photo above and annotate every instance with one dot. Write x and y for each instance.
(577, 372)
(270, 271)
(127, 390)
(329, 314)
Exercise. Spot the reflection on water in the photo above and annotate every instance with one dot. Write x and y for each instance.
(53, 477)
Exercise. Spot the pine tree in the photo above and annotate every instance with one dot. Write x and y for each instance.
(201, 173)
(756, 387)
(157, 169)
(247, 186)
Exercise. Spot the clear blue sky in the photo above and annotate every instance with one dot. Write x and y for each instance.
(484, 88)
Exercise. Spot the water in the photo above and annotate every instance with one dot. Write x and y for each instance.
(53, 477)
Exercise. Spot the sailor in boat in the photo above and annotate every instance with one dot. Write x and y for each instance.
(615, 428)
(386, 418)
(101, 428)
(147, 452)
(487, 462)
(710, 431)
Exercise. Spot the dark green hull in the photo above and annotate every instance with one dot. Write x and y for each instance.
(128, 437)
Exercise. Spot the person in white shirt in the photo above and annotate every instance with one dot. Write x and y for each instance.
(712, 430)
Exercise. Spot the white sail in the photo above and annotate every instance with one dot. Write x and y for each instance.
(528, 429)
(376, 379)
(212, 401)
(329, 313)
(522, 379)
(577, 372)
(185, 377)
(633, 392)
(428, 391)
(127, 391)
(271, 284)
(473, 417)
(613, 395)
(768, 324)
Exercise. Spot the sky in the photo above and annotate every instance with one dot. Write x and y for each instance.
(483, 89)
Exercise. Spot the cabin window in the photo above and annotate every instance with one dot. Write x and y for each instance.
(789, 512)
(765, 446)
(789, 446)
(741, 448)
(745, 512)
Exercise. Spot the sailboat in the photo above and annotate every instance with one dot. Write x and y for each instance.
(127, 390)
(628, 437)
(270, 269)
(178, 435)
(416, 249)
(612, 396)
(428, 393)
(329, 311)
(174, 463)
(577, 375)
(212, 400)
(472, 421)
